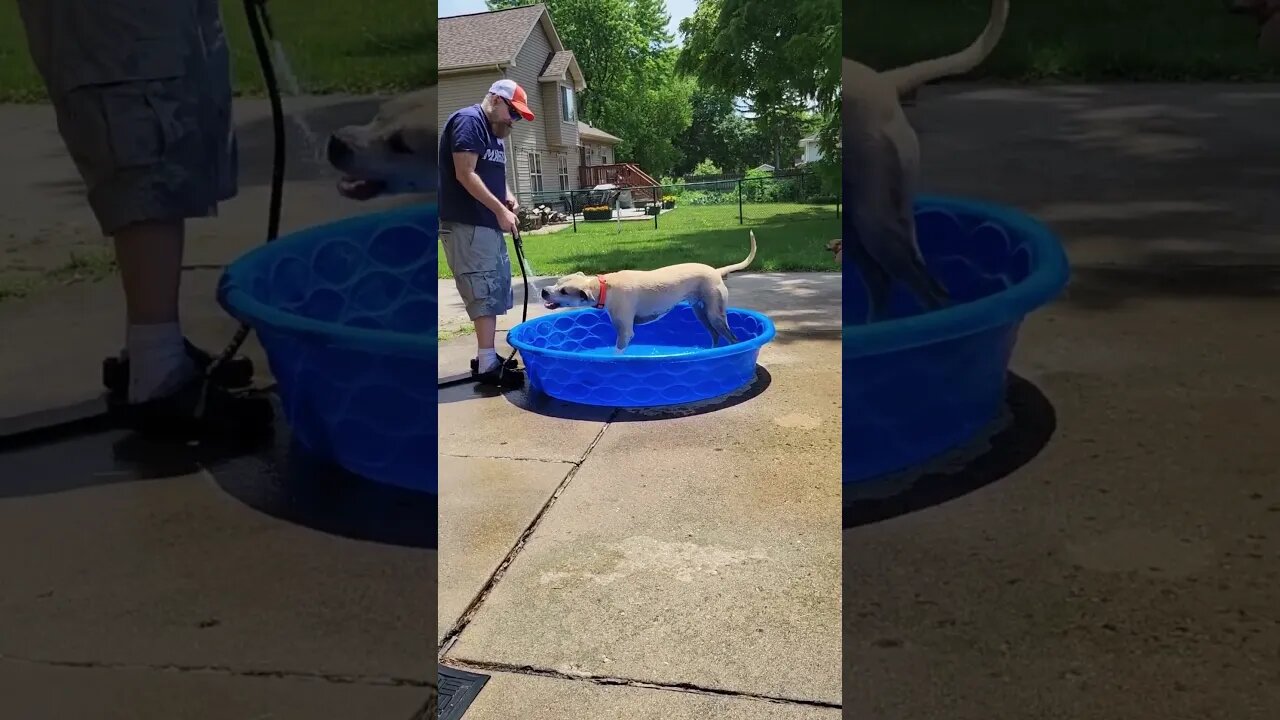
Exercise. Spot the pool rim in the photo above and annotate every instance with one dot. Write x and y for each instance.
(755, 343)
(240, 303)
(1050, 272)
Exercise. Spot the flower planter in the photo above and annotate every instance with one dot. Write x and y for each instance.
(668, 204)
(593, 215)
(652, 210)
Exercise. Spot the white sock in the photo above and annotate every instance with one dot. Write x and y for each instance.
(158, 361)
(486, 360)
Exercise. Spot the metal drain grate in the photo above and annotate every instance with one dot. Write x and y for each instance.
(458, 689)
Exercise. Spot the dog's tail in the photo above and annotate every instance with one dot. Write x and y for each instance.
(911, 77)
(742, 265)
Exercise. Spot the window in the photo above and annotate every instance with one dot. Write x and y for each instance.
(604, 158)
(535, 172)
(566, 104)
(564, 173)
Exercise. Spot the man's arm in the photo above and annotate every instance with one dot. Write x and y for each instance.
(464, 168)
(511, 199)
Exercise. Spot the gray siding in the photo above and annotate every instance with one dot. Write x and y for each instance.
(559, 132)
(531, 137)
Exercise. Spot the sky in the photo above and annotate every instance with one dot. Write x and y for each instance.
(678, 9)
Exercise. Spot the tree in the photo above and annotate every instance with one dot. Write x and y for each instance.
(632, 91)
(780, 57)
(717, 132)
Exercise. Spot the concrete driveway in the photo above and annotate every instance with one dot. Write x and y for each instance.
(605, 563)
(1116, 555)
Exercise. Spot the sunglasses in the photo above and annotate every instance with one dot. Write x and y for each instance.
(515, 115)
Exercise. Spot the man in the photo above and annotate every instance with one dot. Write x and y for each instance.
(473, 218)
(142, 94)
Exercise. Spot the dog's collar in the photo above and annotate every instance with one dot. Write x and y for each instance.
(604, 290)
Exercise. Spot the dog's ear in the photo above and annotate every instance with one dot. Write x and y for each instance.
(579, 274)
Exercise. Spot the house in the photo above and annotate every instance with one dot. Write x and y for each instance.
(545, 156)
(809, 150)
(766, 167)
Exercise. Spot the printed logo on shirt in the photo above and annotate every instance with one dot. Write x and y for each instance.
(492, 155)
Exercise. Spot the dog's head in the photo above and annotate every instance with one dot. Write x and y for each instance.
(393, 154)
(836, 247)
(576, 290)
(1267, 15)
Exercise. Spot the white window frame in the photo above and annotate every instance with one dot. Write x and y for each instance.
(535, 171)
(564, 172)
(568, 104)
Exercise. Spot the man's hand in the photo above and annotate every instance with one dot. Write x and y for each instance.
(507, 221)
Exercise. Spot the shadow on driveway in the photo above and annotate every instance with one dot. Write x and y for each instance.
(1031, 423)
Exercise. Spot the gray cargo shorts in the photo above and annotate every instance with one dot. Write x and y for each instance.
(142, 94)
(481, 267)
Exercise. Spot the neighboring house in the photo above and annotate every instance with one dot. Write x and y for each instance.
(763, 168)
(543, 156)
(809, 150)
(597, 145)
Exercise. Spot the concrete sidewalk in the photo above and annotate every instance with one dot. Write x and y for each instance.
(654, 554)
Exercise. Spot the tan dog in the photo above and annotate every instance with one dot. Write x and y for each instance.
(835, 248)
(881, 158)
(1267, 14)
(640, 296)
(393, 154)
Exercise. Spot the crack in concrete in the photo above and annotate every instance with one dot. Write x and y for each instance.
(429, 710)
(514, 457)
(333, 678)
(473, 607)
(610, 680)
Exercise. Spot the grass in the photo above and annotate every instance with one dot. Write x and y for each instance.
(1081, 40)
(350, 47)
(790, 237)
(89, 267)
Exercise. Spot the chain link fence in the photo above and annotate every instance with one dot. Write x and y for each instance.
(724, 200)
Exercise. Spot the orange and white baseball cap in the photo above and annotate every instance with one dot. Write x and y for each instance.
(513, 93)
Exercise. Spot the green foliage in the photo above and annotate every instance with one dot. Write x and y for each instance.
(780, 56)
(720, 134)
(706, 167)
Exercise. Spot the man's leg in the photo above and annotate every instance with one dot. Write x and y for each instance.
(482, 274)
(149, 255)
(150, 134)
(486, 332)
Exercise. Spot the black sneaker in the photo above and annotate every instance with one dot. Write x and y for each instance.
(506, 375)
(199, 410)
(511, 364)
(234, 373)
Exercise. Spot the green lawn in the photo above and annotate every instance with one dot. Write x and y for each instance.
(385, 46)
(790, 237)
(1083, 40)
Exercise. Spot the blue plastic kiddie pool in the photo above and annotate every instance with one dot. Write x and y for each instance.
(923, 383)
(570, 356)
(346, 313)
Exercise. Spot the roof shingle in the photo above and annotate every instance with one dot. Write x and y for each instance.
(490, 38)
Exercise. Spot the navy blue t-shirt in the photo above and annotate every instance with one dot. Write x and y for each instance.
(467, 130)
